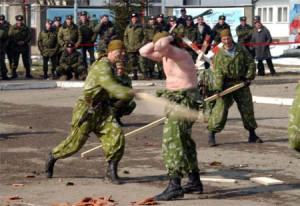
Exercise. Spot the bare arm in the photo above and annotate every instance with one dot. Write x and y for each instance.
(164, 47)
(148, 52)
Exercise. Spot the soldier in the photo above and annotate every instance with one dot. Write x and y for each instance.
(190, 32)
(107, 32)
(178, 149)
(48, 46)
(69, 32)
(160, 24)
(88, 37)
(202, 30)
(221, 25)
(93, 114)
(56, 26)
(5, 35)
(71, 64)
(182, 19)
(133, 40)
(150, 30)
(20, 45)
(233, 65)
(122, 107)
(262, 52)
(178, 29)
(244, 32)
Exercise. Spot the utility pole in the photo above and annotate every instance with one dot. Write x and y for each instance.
(75, 11)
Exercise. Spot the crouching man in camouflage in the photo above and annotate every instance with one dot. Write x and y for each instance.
(71, 64)
(178, 149)
(93, 114)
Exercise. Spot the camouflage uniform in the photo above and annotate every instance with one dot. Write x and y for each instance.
(178, 147)
(5, 36)
(294, 122)
(20, 34)
(229, 71)
(48, 46)
(217, 30)
(191, 33)
(88, 37)
(107, 32)
(67, 34)
(160, 27)
(133, 40)
(100, 83)
(59, 51)
(71, 63)
(244, 36)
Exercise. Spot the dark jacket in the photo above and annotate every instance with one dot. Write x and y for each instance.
(262, 52)
(181, 20)
(216, 31)
(107, 32)
(200, 37)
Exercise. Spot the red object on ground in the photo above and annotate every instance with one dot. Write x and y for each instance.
(16, 197)
(148, 201)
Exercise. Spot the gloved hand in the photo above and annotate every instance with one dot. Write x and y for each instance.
(218, 93)
(247, 82)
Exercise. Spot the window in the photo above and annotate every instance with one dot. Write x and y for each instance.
(282, 14)
(270, 19)
(259, 11)
(264, 16)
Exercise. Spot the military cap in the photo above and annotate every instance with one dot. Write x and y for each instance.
(115, 45)
(172, 18)
(222, 17)
(182, 9)
(19, 18)
(69, 16)
(243, 18)
(2, 17)
(189, 18)
(83, 13)
(49, 21)
(70, 44)
(152, 18)
(134, 15)
(57, 18)
(160, 16)
(225, 32)
(256, 19)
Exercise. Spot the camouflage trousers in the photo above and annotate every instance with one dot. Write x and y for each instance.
(148, 65)
(243, 99)
(135, 62)
(78, 71)
(84, 56)
(103, 124)
(24, 51)
(294, 122)
(178, 148)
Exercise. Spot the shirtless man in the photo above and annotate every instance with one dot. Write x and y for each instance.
(178, 149)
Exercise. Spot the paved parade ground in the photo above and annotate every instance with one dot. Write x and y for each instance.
(34, 121)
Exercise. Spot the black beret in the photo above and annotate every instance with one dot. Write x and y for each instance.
(57, 18)
(2, 17)
(172, 18)
(160, 16)
(83, 13)
(70, 44)
(256, 19)
(243, 18)
(222, 17)
(152, 18)
(49, 21)
(134, 15)
(182, 9)
(69, 16)
(19, 18)
(190, 18)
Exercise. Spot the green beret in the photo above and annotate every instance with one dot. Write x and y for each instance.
(115, 45)
(225, 32)
(159, 35)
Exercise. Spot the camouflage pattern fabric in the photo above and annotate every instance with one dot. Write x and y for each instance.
(178, 148)
(244, 33)
(99, 85)
(135, 61)
(67, 34)
(229, 71)
(73, 60)
(191, 33)
(294, 122)
(216, 31)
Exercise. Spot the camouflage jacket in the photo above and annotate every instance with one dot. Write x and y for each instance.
(179, 29)
(216, 31)
(161, 26)
(20, 34)
(206, 82)
(244, 33)
(149, 32)
(107, 32)
(231, 70)
(101, 83)
(190, 32)
(69, 33)
(87, 31)
(47, 43)
(56, 28)
(5, 34)
(73, 59)
(133, 37)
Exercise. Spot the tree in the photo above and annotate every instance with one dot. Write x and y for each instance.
(121, 11)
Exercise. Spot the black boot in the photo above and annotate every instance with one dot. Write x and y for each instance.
(253, 137)
(173, 191)
(5, 77)
(211, 139)
(46, 75)
(112, 173)
(28, 75)
(194, 184)
(49, 165)
(14, 74)
(135, 76)
(118, 118)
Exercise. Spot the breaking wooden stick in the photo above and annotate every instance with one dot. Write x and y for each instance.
(266, 181)
(227, 91)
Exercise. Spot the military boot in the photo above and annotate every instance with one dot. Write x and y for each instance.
(253, 137)
(49, 165)
(135, 76)
(112, 173)
(14, 74)
(173, 191)
(5, 77)
(211, 139)
(46, 75)
(28, 75)
(194, 184)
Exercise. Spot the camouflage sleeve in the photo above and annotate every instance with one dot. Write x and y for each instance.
(94, 37)
(28, 36)
(146, 37)
(62, 62)
(250, 64)
(219, 77)
(98, 28)
(60, 37)
(126, 37)
(114, 35)
(40, 43)
(79, 36)
(79, 61)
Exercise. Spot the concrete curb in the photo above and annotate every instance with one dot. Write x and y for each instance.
(273, 100)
